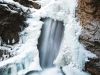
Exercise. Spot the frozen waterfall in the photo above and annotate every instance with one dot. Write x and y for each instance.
(49, 41)
(57, 40)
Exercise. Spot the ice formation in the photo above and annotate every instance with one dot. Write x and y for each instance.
(72, 55)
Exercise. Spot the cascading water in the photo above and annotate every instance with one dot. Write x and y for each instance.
(49, 41)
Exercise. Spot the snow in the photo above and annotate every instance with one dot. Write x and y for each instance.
(53, 9)
(52, 71)
(70, 70)
(27, 53)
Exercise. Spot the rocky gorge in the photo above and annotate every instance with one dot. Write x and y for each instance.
(88, 13)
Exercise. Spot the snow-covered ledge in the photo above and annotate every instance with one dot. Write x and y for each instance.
(27, 55)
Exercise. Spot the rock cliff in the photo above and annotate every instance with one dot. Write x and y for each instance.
(89, 16)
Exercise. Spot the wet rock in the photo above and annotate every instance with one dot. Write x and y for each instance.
(28, 3)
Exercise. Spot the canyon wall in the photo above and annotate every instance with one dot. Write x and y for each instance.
(89, 16)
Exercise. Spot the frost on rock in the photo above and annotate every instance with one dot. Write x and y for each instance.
(26, 55)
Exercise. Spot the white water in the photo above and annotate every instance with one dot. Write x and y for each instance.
(72, 55)
(49, 41)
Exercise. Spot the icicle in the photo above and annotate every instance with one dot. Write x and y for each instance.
(13, 41)
(8, 41)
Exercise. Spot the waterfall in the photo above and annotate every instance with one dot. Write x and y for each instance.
(49, 41)
(58, 41)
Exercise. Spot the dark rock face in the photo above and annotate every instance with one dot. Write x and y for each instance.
(28, 3)
(89, 15)
(10, 25)
(12, 22)
(93, 67)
